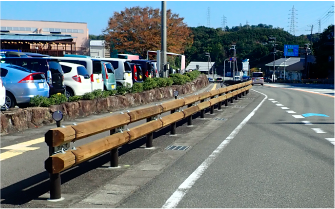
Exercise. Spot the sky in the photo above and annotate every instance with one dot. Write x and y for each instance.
(195, 13)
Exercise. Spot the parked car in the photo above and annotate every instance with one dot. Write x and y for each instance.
(210, 79)
(219, 79)
(22, 84)
(15, 54)
(76, 79)
(237, 78)
(136, 71)
(122, 70)
(245, 78)
(257, 78)
(29, 54)
(154, 65)
(109, 76)
(51, 69)
(147, 68)
(93, 66)
(2, 93)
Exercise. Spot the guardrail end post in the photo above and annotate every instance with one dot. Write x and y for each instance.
(55, 187)
(189, 120)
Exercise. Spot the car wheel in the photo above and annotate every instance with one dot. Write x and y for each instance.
(68, 92)
(10, 100)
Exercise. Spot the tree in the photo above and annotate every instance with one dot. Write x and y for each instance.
(137, 30)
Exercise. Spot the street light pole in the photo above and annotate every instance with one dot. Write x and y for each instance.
(224, 68)
(208, 60)
(273, 39)
(234, 59)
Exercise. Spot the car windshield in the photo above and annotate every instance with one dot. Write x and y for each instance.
(257, 75)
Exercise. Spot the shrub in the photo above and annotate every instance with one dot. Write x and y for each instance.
(75, 98)
(179, 79)
(38, 101)
(97, 93)
(169, 81)
(113, 92)
(149, 83)
(161, 82)
(122, 90)
(58, 99)
(137, 88)
(193, 74)
(88, 96)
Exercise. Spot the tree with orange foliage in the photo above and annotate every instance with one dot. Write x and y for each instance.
(137, 30)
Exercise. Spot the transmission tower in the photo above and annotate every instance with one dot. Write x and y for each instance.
(293, 21)
(224, 22)
(208, 18)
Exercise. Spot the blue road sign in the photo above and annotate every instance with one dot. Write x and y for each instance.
(291, 50)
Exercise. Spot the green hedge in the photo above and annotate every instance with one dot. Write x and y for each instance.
(149, 83)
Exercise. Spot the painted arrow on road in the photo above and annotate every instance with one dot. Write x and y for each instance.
(314, 114)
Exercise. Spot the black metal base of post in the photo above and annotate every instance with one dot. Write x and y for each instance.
(148, 143)
(212, 110)
(219, 105)
(226, 102)
(232, 100)
(189, 120)
(173, 129)
(202, 113)
(55, 184)
(114, 158)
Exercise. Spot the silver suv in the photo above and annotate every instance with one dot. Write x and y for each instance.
(257, 78)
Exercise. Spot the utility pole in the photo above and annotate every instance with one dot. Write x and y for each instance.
(163, 43)
(311, 33)
(307, 52)
(273, 40)
(234, 59)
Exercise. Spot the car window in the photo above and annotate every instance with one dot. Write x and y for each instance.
(97, 67)
(127, 66)
(82, 71)
(3, 72)
(55, 67)
(66, 69)
(109, 67)
(115, 64)
(257, 74)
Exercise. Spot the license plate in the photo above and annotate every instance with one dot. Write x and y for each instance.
(140, 77)
(98, 81)
(128, 74)
(257, 79)
(112, 86)
(41, 85)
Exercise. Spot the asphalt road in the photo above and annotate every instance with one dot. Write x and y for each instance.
(274, 160)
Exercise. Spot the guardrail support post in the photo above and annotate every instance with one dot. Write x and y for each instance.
(173, 125)
(202, 112)
(232, 99)
(189, 119)
(55, 183)
(114, 160)
(150, 137)
(219, 105)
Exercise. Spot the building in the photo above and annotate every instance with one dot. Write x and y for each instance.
(204, 67)
(98, 49)
(46, 37)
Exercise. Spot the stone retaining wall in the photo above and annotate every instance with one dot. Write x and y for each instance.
(19, 119)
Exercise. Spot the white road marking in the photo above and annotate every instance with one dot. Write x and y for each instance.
(331, 140)
(271, 99)
(318, 130)
(298, 116)
(285, 108)
(274, 101)
(290, 111)
(178, 195)
(307, 123)
(279, 105)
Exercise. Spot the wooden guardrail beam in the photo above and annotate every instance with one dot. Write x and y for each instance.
(191, 99)
(204, 95)
(172, 118)
(204, 105)
(96, 126)
(214, 101)
(59, 162)
(59, 136)
(190, 111)
(144, 129)
(100, 146)
(143, 113)
(173, 104)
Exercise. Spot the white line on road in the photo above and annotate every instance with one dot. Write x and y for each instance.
(298, 116)
(290, 111)
(318, 130)
(271, 99)
(331, 140)
(178, 195)
(307, 123)
(274, 101)
(285, 108)
(279, 105)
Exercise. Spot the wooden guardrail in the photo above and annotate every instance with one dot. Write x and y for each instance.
(63, 157)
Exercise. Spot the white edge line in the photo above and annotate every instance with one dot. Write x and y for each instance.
(178, 195)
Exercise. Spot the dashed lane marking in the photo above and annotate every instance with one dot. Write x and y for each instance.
(307, 123)
(290, 111)
(318, 130)
(279, 105)
(285, 108)
(331, 140)
(298, 116)
(18, 149)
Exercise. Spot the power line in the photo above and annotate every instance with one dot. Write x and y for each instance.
(208, 18)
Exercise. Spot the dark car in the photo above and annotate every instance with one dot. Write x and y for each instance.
(136, 71)
(147, 68)
(219, 79)
(245, 78)
(52, 70)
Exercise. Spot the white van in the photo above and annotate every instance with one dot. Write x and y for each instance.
(2, 93)
(93, 66)
(77, 80)
(122, 71)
